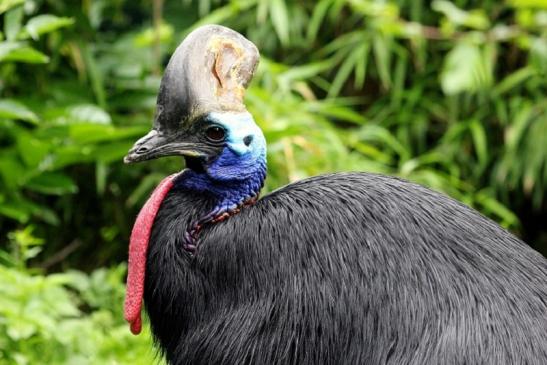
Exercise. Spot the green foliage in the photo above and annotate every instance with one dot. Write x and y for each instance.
(66, 318)
(450, 94)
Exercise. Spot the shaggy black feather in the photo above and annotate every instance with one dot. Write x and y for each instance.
(347, 268)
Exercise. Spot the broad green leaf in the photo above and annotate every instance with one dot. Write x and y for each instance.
(5, 5)
(53, 183)
(70, 155)
(7, 47)
(13, 109)
(31, 149)
(12, 23)
(27, 55)
(86, 113)
(112, 152)
(466, 68)
(20, 52)
(12, 171)
(14, 211)
(457, 73)
(45, 23)
(92, 133)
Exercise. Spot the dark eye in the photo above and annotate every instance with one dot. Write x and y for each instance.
(215, 134)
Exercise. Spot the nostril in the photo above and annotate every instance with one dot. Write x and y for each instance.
(142, 149)
(247, 140)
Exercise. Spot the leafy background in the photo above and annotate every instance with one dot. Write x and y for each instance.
(449, 94)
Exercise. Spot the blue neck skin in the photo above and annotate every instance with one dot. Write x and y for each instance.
(245, 183)
(236, 176)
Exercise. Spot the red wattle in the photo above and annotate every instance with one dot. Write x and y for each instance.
(138, 248)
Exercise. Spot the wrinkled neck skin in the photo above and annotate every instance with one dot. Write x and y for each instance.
(234, 178)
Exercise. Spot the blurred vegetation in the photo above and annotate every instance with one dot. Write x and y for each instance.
(448, 94)
(42, 317)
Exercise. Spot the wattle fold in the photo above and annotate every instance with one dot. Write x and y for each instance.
(138, 249)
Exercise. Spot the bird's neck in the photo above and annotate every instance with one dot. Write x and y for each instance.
(227, 194)
(230, 186)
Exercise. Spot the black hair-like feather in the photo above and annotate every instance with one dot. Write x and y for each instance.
(348, 268)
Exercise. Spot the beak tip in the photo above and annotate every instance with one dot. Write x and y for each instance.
(128, 159)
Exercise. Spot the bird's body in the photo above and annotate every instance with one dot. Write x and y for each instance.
(347, 268)
(344, 269)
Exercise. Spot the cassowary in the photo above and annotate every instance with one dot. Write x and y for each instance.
(348, 268)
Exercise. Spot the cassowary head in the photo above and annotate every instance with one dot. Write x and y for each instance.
(200, 113)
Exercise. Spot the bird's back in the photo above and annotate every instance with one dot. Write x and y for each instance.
(345, 269)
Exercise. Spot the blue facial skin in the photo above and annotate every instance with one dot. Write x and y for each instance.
(238, 173)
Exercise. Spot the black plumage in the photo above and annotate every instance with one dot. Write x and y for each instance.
(347, 268)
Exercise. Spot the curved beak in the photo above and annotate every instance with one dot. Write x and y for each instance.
(155, 144)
